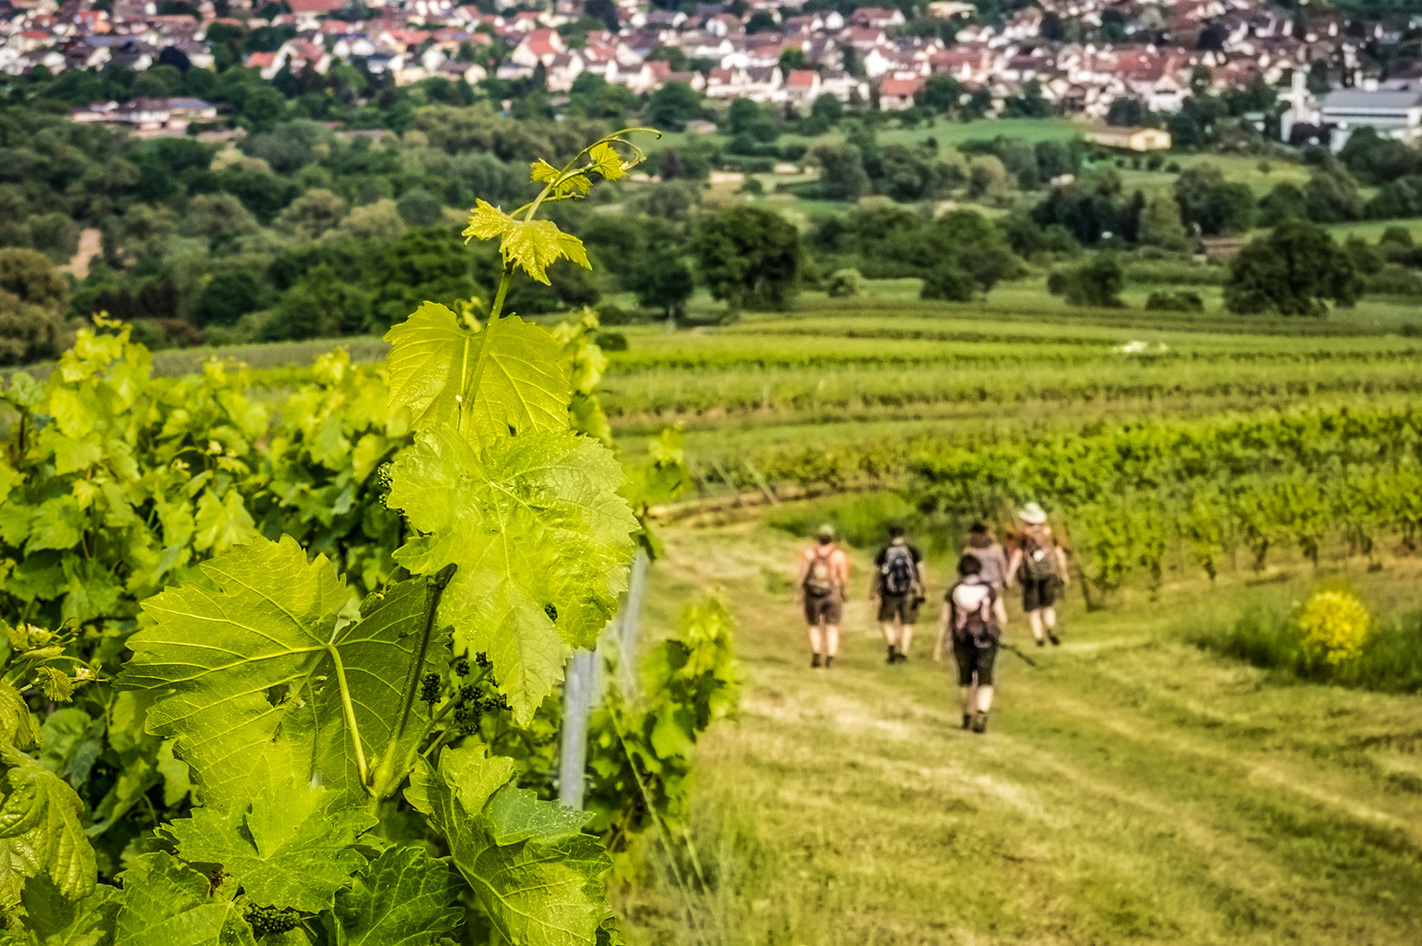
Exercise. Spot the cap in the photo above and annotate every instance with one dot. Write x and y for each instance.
(825, 531)
(1032, 514)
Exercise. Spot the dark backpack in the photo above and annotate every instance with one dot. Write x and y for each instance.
(1038, 562)
(972, 613)
(898, 572)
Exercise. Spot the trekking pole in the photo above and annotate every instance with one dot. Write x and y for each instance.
(1014, 649)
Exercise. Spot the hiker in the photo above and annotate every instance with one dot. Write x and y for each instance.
(898, 586)
(1039, 563)
(974, 618)
(989, 553)
(823, 578)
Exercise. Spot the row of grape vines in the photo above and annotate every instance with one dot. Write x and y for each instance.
(208, 736)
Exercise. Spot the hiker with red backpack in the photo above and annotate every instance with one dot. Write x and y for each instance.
(1040, 565)
(973, 619)
(898, 587)
(822, 581)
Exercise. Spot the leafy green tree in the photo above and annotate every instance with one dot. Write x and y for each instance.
(842, 174)
(664, 282)
(1161, 226)
(748, 257)
(673, 105)
(421, 264)
(1213, 204)
(948, 282)
(312, 214)
(1332, 197)
(940, 93)
(1296, 269)
(969, 243)
(1097, 282)
(419, 208)
(321, 305)
(33, 297)
(217, 215)
(827, 109)
(227, 297)
(1284, 202)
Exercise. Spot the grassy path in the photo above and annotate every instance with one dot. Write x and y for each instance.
(1132, 789)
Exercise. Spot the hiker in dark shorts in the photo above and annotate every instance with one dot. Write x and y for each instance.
(1039, 563)
(987, 550)
(898, 587)
(973, 619)
(821, 582)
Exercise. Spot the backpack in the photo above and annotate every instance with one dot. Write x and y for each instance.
(972, 613)
(1038, 562)
(898, 573)
(819, 580)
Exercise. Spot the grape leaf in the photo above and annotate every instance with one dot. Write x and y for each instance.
(606, 161)
(531, 245)
(507, 376)
(55, 920)
(403, 898)
(168, 904)
(254, 661)
(41, 831)
(542, 886)
(17, 726)
(291, 848)
(541, 539)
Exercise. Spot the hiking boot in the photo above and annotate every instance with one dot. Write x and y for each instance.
(815, 662)
(893, 656)
(1041, 643)
(827, 662)
(980, 723)
(1052, 636)
(967, 720)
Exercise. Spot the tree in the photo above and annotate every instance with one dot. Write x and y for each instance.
(748, 256)
(378, 221)
(971, 244)
(32, 300)
(1296, 269)
(664, 282)
(673, 105)
(1160, 224)
(941, 93)
(842, 174)
(312, 214)
(217, 215)
(1097, 282)
(1213, 204)
(419, 208)
(226, 298)
(948, 282)
(827, 109)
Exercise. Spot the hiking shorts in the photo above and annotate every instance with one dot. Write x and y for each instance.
(823, 609)
(902, 608)
(974, 663)
(1039, 594)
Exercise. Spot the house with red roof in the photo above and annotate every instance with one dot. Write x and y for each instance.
(538, 47)
(897, 94)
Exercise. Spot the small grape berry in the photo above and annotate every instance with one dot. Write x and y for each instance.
(461, 667)
(429, 688)
(482, 659)
(551, 611)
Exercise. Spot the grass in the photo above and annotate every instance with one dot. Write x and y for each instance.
(1132, 788)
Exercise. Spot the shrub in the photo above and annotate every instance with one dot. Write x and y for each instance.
(1097, 282)
(1394, 280)
(948, 283)
(1334, 628)
(846, 284)
(1181, 301)
(611, 341)
(1057, 282)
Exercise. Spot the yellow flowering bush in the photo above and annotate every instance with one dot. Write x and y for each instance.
(1334, 627)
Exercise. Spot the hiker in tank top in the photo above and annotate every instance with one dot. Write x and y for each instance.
(973, 620)
(822, 578)
(898, 587)
(989, 553)
(1040, 565)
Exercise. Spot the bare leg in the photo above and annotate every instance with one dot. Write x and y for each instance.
(890, 632)
(984, 699)
(1034, 618)
(1049, 618)
(831, 640)
(905, 638)
(817, 644)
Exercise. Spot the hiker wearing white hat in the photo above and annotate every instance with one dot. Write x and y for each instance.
(1040, 565)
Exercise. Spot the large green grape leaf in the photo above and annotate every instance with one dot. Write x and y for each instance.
(541, 539)
(403, 898)
(291, 848)
(537, 876)
(55, 920)
(168, 904)
(41, 831)
(509, 376)
(252, 663)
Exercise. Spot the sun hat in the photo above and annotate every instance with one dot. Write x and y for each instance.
(1032, 514)
(825, 531)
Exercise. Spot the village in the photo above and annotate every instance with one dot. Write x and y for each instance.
(1078, 57)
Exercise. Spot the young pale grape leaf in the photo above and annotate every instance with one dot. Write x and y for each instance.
(541, 888)
(403, 898)
(168, 904)
(253, 662)
(55, 920)
(531, 245)
(17, 726)
(41, 831)
(508, 376)
(541, 539)
(292, 848)
(606, 161)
